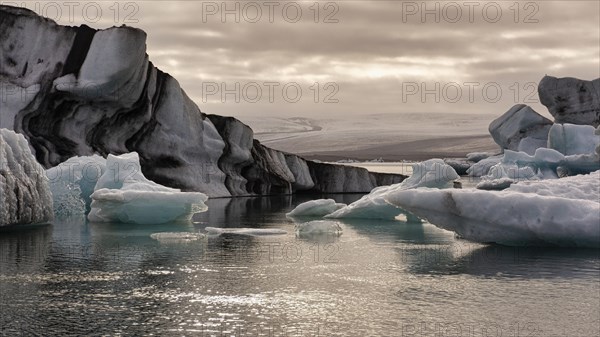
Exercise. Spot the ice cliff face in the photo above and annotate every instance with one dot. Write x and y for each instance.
(252, 168)
(76, 91)
(25, 196)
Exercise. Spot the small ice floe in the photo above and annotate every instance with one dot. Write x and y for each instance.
(245, 231)
(177, 237)
(318, 227)
(316, 208)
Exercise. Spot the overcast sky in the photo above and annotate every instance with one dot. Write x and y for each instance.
(366, 56)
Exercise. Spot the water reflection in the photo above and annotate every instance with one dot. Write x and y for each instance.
(463, 257)
(24, 249)
(377, 278)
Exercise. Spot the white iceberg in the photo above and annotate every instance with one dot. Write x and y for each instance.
(123, 194)
(318, 227)
(561, 212)
(570, 150)
(315, 208)
(518, 166)
(245, 231)
(72, 183)
(431, 173)
(25, 196)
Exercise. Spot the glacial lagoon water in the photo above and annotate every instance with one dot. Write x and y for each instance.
(72, 278)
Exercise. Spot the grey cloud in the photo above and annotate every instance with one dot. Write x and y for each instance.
(371, 52)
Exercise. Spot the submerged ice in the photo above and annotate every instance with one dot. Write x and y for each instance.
(318, 227)
(245, 231)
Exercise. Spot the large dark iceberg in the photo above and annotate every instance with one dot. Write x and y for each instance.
(77, 91)
(571, 100)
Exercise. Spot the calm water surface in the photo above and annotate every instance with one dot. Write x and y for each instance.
(72, 278)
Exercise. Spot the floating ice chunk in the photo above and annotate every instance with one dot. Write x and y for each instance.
(521, 128)
(563, 212)
(514, 166)
(431, 173)
(579, 164)
(245, 231)
(144, 206)
(315, 208)
(529, 144)
(478, 156)
(584, 187)
(460, 165)
(570, 139)
(495, 184)
(482, 167)
(123, 194)
(318, 227)
(177, 237)
(72, 183)
(544, 164)
(25, 197)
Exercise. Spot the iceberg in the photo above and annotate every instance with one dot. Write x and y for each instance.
(25, 196)
(571, 150)
(478, 156)
(520, 129)
(430, 173)
(460, 165)
(571, 100)
(72, 183)
(597, 132)
(97, 91)
(318, 227)
(315, 208)
(571, 139)
(516, 166)
(482, 167)
(245, 231)
(123, 194)
(560, 212)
